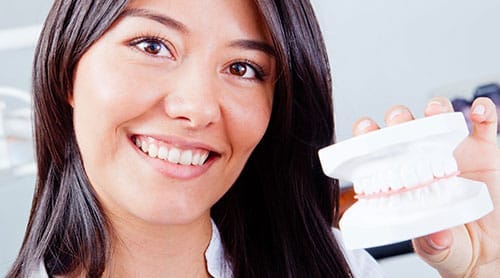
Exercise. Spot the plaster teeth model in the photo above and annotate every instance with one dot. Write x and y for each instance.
(406, 181)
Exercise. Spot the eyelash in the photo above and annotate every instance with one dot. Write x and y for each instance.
(260, 73)
(151, 39)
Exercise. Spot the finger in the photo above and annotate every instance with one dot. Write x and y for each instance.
(485, 119)
(397, 114)
(364, 125)
(438, 105)
(450, 251)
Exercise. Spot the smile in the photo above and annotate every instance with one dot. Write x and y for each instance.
(161, 150)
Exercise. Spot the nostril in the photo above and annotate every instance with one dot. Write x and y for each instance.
(193, 111)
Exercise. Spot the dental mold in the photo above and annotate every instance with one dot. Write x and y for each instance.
(406, 181)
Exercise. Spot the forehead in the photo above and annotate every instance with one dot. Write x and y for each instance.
(210, 16)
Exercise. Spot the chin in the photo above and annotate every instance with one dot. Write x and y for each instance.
(171, 214)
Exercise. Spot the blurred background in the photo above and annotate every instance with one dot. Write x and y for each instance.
(382, 53)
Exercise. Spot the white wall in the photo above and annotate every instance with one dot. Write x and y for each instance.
(386, 52)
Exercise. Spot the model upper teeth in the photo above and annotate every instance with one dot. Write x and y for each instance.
(172, 154)
(393, 175)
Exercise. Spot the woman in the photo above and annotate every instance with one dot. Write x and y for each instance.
(179, 139)
(111, 73)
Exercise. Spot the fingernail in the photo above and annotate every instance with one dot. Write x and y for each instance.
(395, 114)
(364, 124)
(479, 109)
(434, 103)
(434, 245)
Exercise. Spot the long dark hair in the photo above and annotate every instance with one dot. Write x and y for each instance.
(276, 219)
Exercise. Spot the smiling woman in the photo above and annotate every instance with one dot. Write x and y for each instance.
(179, 138)
(179, 94)
(163, 134)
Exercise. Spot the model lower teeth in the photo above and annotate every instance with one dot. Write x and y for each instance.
(406, 181)
(172, 154)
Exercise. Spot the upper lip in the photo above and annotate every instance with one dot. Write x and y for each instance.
(180, 142)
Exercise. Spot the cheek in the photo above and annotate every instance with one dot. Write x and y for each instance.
(93, 98)
(108, 93)
(105, 98)
(113, 87)
(248, 122)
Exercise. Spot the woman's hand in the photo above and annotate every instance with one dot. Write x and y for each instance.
(472, 249)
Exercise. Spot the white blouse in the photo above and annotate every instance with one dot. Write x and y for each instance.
(360, 262)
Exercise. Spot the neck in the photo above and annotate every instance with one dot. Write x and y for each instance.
(140, 249)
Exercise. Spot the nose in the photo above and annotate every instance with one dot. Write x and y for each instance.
(194, 98)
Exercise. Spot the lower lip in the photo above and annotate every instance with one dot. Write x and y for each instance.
(174, 170)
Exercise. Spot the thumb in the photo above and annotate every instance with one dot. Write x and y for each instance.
(450, 252)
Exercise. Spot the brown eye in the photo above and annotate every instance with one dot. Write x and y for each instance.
(238, 69)
(154, 47)
(246, 70)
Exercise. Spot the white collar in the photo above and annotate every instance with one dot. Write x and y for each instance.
(217, 264)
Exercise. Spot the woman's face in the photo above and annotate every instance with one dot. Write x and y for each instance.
(169, 104)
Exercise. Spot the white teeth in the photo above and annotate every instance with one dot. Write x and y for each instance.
(412, 195)
(416, 171)
(137, 142)
(358, 186)
(196, 159)
(366, 184)
(375, 185)
(424, 172)
(174, 155)
(163, 153)
(393, 180)
(186, 158)
(437, 168)
(435, 189)
(203, 158)
(426, 190)
(153, 150)
(383, 183)
(412, 179)
(393, 200)
(387, 182)
(144, 146)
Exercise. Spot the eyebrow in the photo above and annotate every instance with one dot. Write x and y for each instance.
(254, 45)
(163, 19)
(172, 23)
